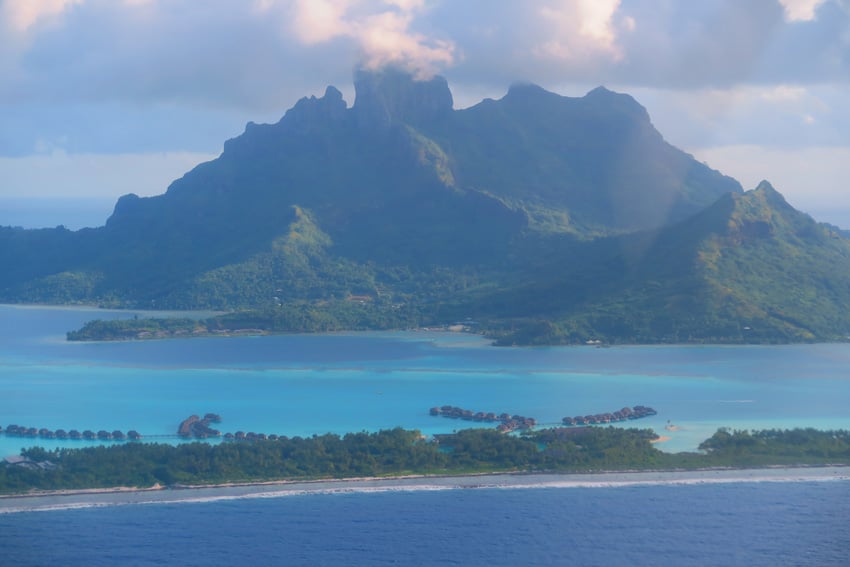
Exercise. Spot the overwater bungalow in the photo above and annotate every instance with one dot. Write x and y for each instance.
(88, 434)
(133, 435)
(185, 427)
(644, 411)
(194, 426)
(61, 434)
(74, 434)
(206, 431)
(118, 435)
(507, 421)
(623, 414)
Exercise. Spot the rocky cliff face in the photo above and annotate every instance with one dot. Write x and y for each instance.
(314, 113)
(391, 96)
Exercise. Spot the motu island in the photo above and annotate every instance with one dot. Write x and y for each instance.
(535, 219)
(403, 452)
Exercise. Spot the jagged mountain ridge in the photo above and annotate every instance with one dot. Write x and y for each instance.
(594, 162)
(520, 210)
(398, 176)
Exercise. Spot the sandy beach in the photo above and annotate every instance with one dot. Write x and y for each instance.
(71, 499)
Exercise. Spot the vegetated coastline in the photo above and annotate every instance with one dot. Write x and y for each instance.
(400, 453)
(303, 320)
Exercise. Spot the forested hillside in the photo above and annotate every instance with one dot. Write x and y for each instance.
(546, 219)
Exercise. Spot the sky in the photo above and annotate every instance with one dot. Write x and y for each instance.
(100, 98)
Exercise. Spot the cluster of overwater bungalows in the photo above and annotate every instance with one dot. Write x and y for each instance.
(624, 414)
(88, 434)
(199, 428)
(194, 426)
(506, 421)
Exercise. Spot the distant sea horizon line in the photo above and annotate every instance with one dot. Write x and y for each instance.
(73, 213)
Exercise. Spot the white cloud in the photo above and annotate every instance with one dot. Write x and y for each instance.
(386, 39)
(781, 93)
(23, 14)
(317, 21)
(255, 53)
(380, 29)
(800, 10)
(580, 27)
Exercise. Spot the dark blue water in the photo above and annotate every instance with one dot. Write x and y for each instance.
(749, 524)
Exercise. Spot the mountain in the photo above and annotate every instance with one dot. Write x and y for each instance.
(592, 164)
(749, 268)
(549, 218)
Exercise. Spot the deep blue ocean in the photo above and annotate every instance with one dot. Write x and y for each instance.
(748, 524)
(300, 385)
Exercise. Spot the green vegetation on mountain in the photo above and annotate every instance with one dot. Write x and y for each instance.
(748, 269)
(399, 451)
(545, 218)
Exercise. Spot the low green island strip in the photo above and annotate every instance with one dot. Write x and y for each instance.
(301, 318)
(397, 452)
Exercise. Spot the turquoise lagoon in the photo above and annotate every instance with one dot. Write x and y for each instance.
(314, 384)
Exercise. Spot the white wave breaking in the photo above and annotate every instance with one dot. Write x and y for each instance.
(200, 495)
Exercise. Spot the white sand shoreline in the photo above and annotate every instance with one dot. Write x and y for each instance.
(73, 499)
